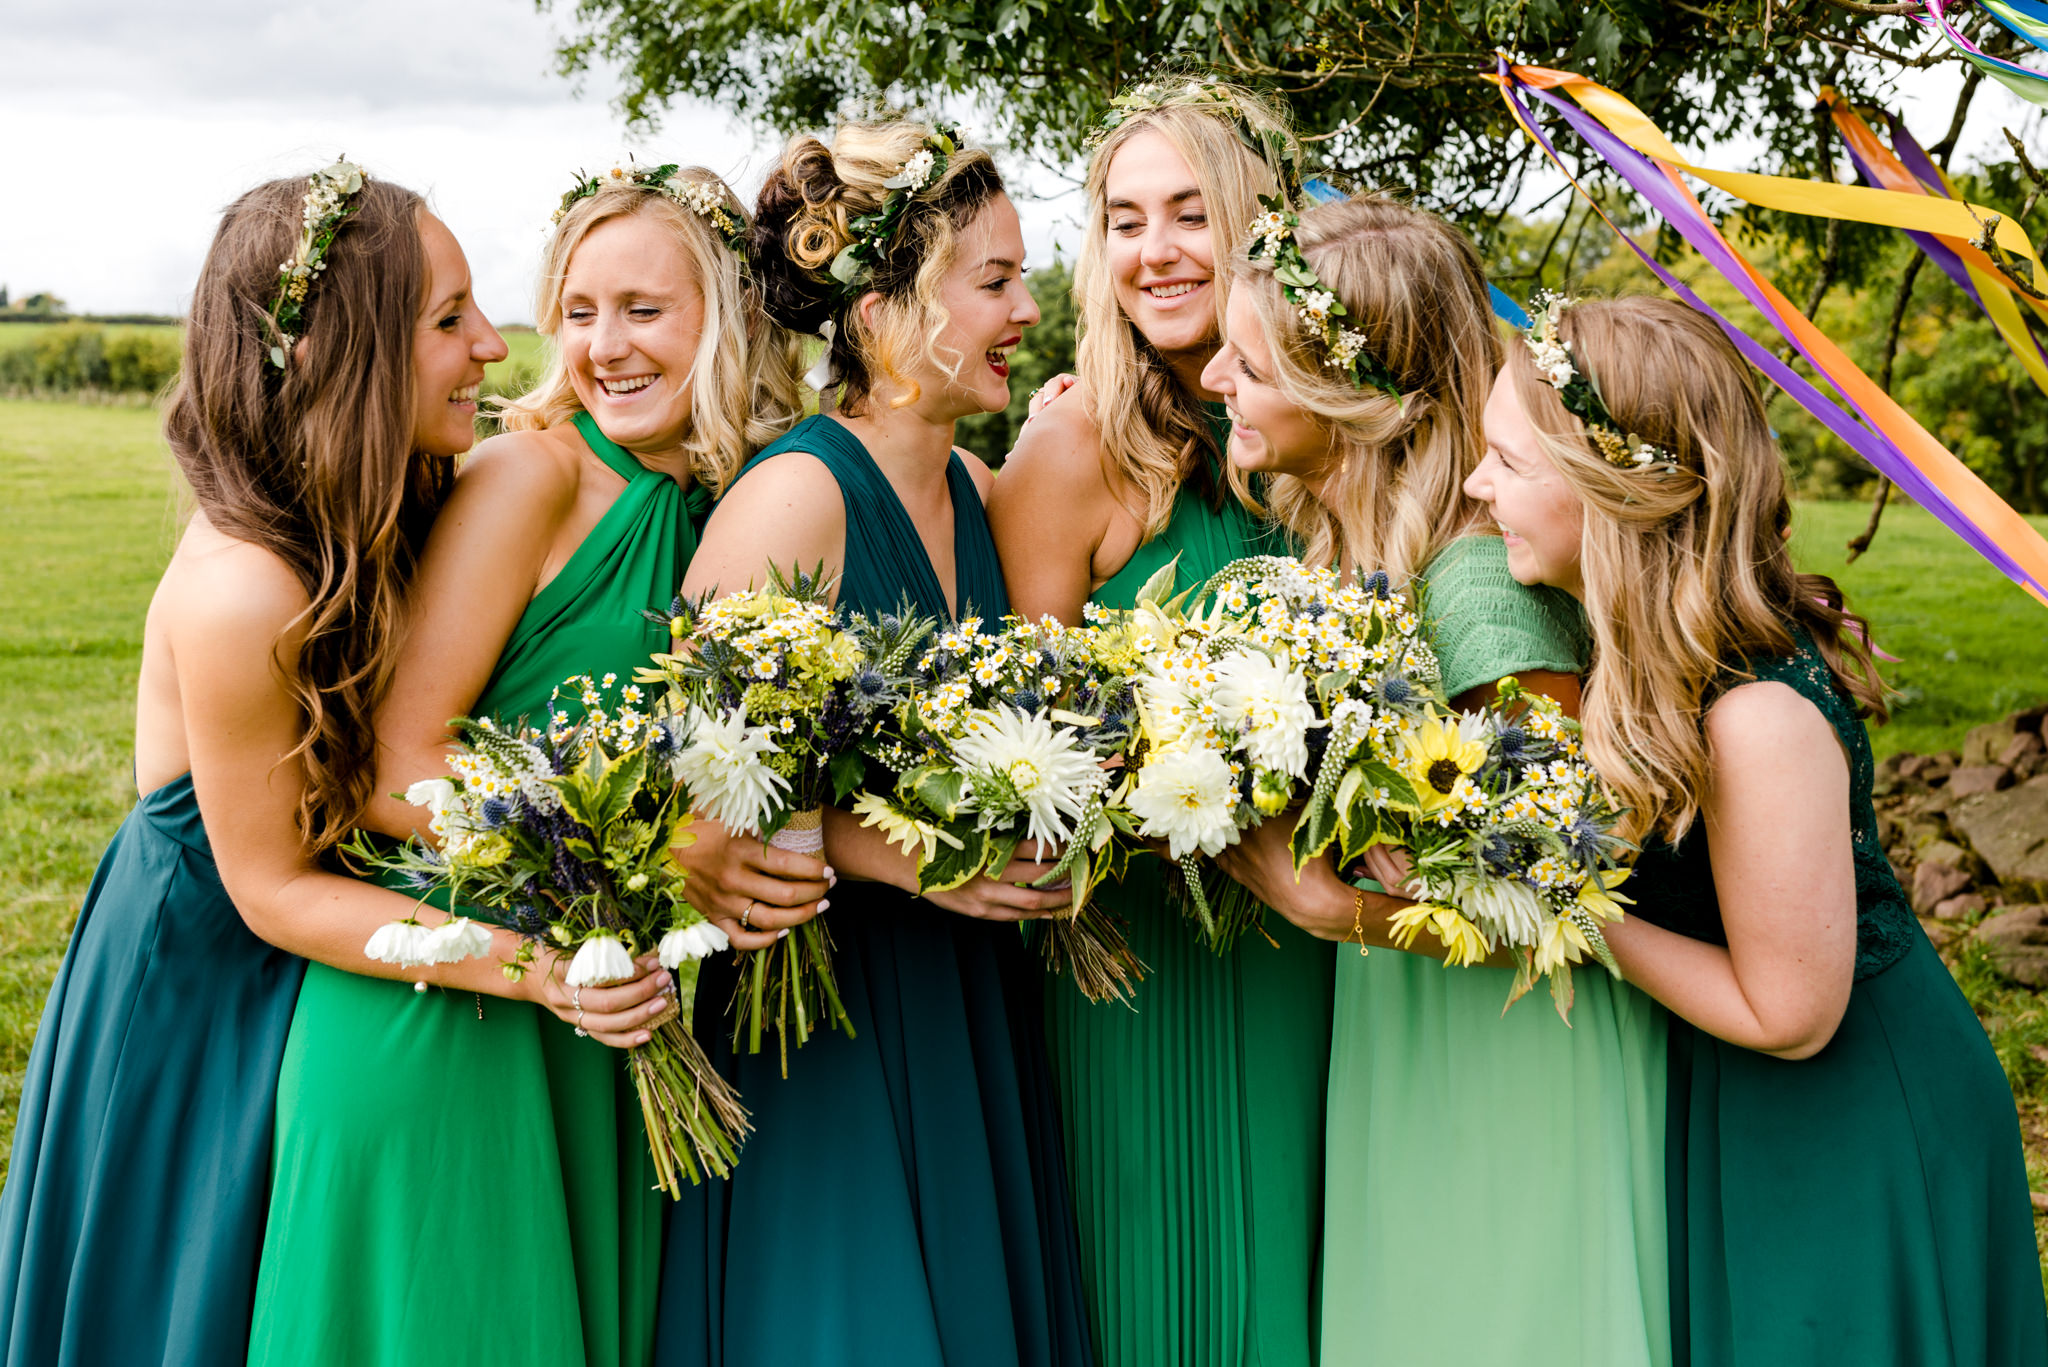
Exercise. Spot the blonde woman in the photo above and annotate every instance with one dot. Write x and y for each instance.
(1847, 1184)
(458, 1177)
(1194, 1124)
(1523, 1154)
(900, 1201)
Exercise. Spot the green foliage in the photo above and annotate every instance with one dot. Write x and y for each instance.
(70, 358)
(1046, 351)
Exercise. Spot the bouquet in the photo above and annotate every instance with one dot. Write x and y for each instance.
(564, 835)
(1002, 738)
(1512, 841)
(773, 690)
(1271, 673)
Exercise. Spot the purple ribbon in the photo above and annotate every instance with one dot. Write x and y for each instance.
(1678, 210)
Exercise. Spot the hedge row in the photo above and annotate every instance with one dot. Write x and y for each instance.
(73, 357)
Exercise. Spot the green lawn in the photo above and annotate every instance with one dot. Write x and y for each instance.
(90, 500)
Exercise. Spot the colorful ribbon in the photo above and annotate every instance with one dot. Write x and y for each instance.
(1912, 171)
(1873, 425)
(2024, 17)
(1504, 306)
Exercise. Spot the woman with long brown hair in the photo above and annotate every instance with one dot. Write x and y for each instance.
(317, 417)
(1194, 1124)
(1548, 1139)
(1846, 1178)
(558, 538)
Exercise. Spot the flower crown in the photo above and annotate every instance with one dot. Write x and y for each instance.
(855, 264)
(704, 198)
(1270, 145)
(1581, 397)
(330, 197)
(1272, 239)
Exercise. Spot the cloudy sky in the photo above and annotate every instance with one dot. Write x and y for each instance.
(125, 126)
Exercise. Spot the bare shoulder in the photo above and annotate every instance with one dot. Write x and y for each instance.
(539, 466)
(1061, 447)
(796, 482)
(984, 478)
(219, 590)
(1768, 723)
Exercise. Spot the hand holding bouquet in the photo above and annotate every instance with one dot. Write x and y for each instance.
(1001, 738)
(564, 835)
(773, 691)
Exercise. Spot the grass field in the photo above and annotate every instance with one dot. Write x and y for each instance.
(90, 501)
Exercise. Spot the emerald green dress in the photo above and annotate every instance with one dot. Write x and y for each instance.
(1194, 1117)
(1867, 1206)
(461, 1179)
(1495, 1189)
(901, 1202)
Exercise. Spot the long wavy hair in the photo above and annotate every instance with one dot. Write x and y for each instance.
(744, 378)
(316, 464)
(1686, 570)
(802, 221)
(1412, 284)
(1154, 431)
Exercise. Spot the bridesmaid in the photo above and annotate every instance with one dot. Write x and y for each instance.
(900, 1203)
(1194, 1124)
(465, 1179)
(1426, 1075)
(316, 418)
(1846, 1180)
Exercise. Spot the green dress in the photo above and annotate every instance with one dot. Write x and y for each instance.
(900, 1202)
(1194, 1117)
(1495, 1190)
(1867, 1206)
(460, 1179)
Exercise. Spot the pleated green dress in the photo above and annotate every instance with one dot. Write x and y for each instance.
(1866, 1207)
(901, 1201)
(460, 1179)
(1495, 1184)
(1194, 1117)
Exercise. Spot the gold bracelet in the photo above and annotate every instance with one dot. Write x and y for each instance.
(1358, 920)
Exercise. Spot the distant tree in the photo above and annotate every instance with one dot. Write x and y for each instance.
(3, 296)
(1045, 351)
(42, 305)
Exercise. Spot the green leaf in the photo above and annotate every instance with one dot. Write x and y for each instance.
(1159, 587)
(949, 868)
(1400, 791)
(1314, 832)
(848, 770)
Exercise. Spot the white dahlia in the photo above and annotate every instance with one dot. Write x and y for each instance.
(722, 764)
(1269, 702)
(1051, 774)
(1186, 797)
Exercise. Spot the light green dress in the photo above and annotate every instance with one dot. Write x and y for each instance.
(1194, 1117)
(1495, 1191)
(460, 1179)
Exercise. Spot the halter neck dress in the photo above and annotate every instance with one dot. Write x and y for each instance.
(460, 1178)
(1867, 1206)
(901, 1201)
(134, 1206)
(1194, 1117)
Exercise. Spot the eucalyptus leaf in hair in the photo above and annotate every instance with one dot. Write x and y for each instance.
(875, 233)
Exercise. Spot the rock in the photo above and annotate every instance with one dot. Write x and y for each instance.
(2017, 939)
(2009, 831)
(1911, 765)
(1937, 802)
(2033, 766)
(1919, 834)
(2022, 746)
(1981, 744)
(1957, 907)
(1888, 767)
(1979, 778)
(1938, 768)
(1940, 933)
(1936, 883)
(1944, 852)
(1888, 831)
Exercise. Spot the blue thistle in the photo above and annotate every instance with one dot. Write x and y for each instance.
(1395, 690)
(1378, 585)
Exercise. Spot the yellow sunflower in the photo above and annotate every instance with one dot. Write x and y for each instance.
(1435, 754)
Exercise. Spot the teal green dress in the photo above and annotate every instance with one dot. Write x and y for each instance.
(901, 1201)
(133, 1212)
(1194, 1117)
(460, 1178)
(1867, 1206)
(1495, 1189)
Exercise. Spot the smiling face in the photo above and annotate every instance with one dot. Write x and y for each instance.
(1269, 432)
(1541, 517)
(632, 321)
(988, 309)
(452, 343)
(1160, 254)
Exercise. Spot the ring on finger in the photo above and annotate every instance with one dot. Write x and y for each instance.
(576, 1000)
(746, 912)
